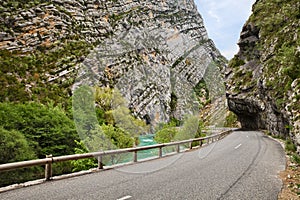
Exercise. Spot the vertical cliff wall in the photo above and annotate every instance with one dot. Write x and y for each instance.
(263, 79)
(155, 52)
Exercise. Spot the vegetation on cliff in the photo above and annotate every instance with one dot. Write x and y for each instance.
(278, 46)
(23, 78)
(279, 43)
(265, 75)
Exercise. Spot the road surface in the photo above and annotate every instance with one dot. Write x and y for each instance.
(244, 165)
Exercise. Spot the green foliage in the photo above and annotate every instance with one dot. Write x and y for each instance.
(103, 116)
(14, 147)
(108, 125)
(199, 89)
(23, 77)
(277, 49)
(165, 135)
(290, 146)
(123, 117)
(296, 158)
(172, 131)
(84, 111)
(189, 129)
(14, 5)
(291, 57)
(119, 137)
(202, 93)
(111, 108)
(117, 124)
(83, 164)
(231, 120)
(235, 62)
(103, 98)
(105, 137)
(47, 129)
(165, 132)
(199, 133)
(278, 22)
(31, 131)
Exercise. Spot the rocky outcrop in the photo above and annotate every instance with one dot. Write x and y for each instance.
(263, 78)
(152, 51)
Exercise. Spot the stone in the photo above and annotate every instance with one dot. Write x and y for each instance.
(256, 104)
(155, 48)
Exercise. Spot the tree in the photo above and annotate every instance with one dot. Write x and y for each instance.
(14, 147)
(165, 135)
(83, 164)
(47, 128)
(191, 128)
(166, 132)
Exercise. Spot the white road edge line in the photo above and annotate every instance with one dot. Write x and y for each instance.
(124, 198)
(237, 146)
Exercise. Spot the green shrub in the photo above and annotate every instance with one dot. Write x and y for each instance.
(165, 135)
(83, 164)
(119, 137)
(172, 131)
(296, 158)
(231, 120)
(32, 130)
(24, 76)
(235, 62)
(105, 137)
(47, 128)
(290, 146)
(14, 147)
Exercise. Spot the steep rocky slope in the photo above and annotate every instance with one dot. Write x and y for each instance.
(263, 79)
(157, 53)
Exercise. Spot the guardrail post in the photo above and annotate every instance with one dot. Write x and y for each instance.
(160, 152)
(200, 143)
(48, 169)
(221, 136)
(178, 148)
(191, 145)
(100, 164)
(135, 156)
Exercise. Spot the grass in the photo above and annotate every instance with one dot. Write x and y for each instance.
(296, 158)
(290, 146)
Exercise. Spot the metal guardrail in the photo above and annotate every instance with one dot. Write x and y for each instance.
(49, 160)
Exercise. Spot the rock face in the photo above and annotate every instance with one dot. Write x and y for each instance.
(263, 79)
(154, 52)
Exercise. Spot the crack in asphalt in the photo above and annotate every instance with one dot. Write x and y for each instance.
(247, 171)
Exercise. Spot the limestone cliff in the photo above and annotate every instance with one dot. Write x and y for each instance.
(155, 52)
(263, 79)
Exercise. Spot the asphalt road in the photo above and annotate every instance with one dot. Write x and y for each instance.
(244, 165)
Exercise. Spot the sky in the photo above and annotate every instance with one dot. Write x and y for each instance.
(224, 20)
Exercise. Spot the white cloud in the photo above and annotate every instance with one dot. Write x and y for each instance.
(224, 20)
(228, 53)
(213, 15)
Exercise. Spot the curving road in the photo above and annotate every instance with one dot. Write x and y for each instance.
(244, 165)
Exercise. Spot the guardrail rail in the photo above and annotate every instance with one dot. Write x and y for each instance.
(49, 160)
